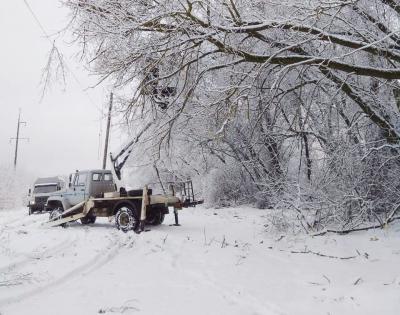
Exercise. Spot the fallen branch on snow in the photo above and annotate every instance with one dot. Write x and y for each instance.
(320, 254)
(366, 228)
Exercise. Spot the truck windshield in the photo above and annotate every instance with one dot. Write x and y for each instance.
(44, 189)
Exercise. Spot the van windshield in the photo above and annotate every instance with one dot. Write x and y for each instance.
(45, 189)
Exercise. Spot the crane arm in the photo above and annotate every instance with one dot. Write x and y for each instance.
(119, 160)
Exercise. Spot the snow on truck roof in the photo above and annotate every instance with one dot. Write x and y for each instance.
(95, 171)
(44, 181)
(46, 184)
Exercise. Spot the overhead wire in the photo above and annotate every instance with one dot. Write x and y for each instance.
(69, 69)
(37, 20)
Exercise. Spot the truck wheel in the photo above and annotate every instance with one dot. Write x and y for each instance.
(55, 213)
(126, 218)
(157, 218)
(89, 219)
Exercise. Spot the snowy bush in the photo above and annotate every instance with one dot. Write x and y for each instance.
(227, 186)
(13, 188)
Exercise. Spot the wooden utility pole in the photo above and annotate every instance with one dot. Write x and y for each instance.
(17, 138)
(107, 132)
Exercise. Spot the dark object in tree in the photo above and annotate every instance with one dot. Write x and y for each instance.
(160, 96)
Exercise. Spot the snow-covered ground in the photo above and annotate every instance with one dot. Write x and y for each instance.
(218, 262)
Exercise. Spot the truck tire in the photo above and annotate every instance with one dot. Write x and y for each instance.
(126, 218)
(157, 216)
(89, 219)
(56, 213)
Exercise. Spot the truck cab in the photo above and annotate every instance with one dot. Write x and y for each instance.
(82, 185)
(42, 189)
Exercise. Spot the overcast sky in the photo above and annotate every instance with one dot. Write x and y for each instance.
(64, 127)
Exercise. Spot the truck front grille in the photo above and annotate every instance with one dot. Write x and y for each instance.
(41, 200)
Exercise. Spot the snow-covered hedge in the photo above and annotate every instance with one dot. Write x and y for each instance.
(14, 187)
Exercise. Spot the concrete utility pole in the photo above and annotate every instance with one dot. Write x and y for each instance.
(107, 132)
(18, 138)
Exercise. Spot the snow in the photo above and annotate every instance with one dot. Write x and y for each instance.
(220, 261)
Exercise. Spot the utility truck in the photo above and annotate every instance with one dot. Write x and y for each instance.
(94, 193)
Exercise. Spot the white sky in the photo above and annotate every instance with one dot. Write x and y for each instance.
(64, 127)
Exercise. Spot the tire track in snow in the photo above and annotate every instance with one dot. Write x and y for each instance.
(100, 259)
(23, 222)
(247, 301)
(7, 223)
(12, 216)
(37, 257)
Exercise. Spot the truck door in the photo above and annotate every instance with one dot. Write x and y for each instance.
(96, 185)
(108, 183)
(78, 189)
(100, 183)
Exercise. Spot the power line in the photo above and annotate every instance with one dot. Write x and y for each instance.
(37, 20)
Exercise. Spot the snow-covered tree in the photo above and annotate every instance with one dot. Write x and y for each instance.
(14, 188)
(302, 98)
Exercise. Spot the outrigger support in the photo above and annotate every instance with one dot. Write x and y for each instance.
(143, 211)
(176, 217)
(72, 214)
(60, 220)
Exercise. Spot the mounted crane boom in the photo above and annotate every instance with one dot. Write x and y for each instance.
(183, 188)
(125, 153)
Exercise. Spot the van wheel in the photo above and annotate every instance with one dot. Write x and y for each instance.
(126, 218)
